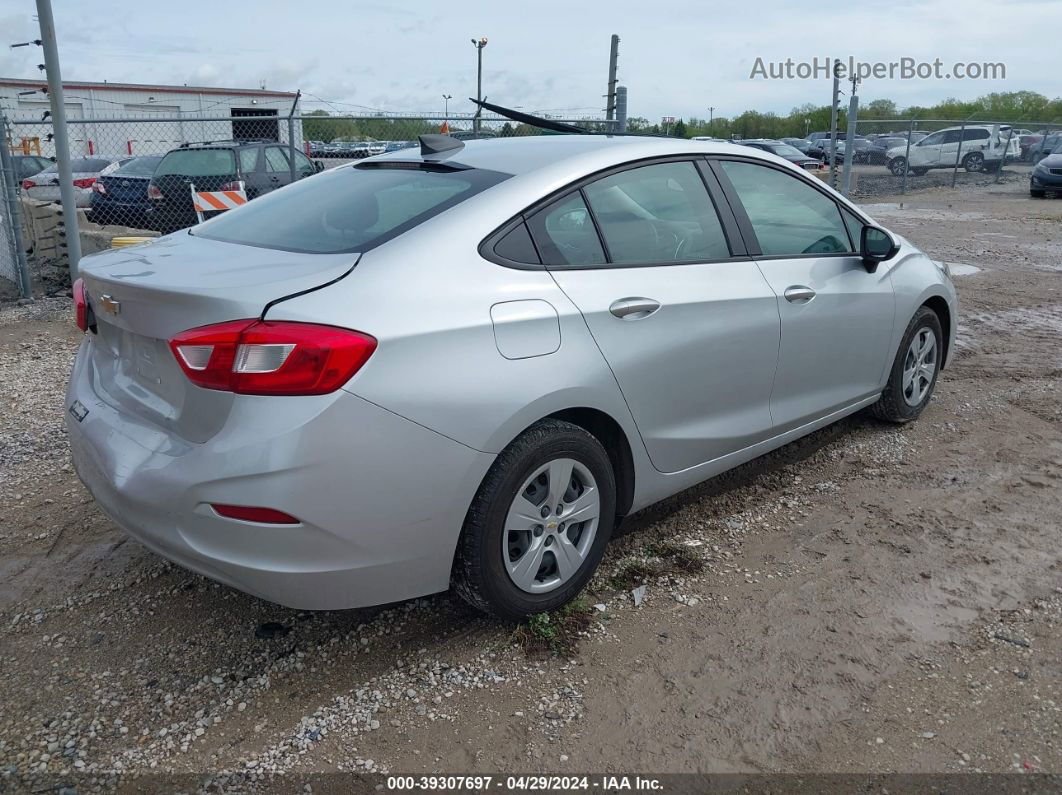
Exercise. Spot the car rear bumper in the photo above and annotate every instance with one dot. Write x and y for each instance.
(381, 499)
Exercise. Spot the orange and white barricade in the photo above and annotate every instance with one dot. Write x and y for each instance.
(214, 200)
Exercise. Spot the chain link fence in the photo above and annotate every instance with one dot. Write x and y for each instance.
(898, 156)
(135, 176)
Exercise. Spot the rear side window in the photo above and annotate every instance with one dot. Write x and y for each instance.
(565, 235)
(657, 213)
(975, 135)
(249, 159)
(516, 246)
(347, 209)
(788, 216)
(197, 163)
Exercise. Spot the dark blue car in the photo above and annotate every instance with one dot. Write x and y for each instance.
(121, 196)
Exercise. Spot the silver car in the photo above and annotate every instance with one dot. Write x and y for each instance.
(85, 171)
(462, 365)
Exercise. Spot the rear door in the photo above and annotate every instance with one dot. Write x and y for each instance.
(277, 169)
(687, 323)
(837, 319)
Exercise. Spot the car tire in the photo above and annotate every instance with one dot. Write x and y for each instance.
(975, 161)
(897, 166)
(1037, 194)
(481, 573)
(899, 402)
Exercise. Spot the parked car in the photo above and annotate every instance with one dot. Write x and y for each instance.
(1047, 174)
(877, 153)
(120, 197)
(259, 166)
(858, 145)
(394, 146)
(1044, 147)
(982, 147)
(44, 185)
(316, 148)
(790, 153)
(25, 166)
(295, 399)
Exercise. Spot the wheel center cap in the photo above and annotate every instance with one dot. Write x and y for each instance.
(551, 525)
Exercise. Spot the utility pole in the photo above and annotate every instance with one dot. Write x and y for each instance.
(479, 45)
(59, 134)
(711, 117)
(849, 146)
(610, 97)
(833, 122)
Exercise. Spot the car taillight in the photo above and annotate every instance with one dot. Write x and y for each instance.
(254, 357)
(87, 182)
(153, 191)
(28, 183)
(99, 187)
(80, 305)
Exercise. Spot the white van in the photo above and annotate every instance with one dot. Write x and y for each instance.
(977, 147)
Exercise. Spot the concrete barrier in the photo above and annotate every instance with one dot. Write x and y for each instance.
(44, 235)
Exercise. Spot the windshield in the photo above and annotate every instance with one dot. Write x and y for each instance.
(347, 209)
(785, 150)
(197, 163)
(139, 167)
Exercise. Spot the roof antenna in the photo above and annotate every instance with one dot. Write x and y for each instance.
(436, 144)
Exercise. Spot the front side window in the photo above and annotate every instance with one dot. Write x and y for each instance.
(788, 216)
(657, 213)
(303, 164)
(564, 233)
(347, 209)
(935, 139)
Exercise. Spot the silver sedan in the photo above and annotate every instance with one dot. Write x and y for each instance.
(461, 366)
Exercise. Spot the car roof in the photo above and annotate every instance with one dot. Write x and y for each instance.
(524, 154)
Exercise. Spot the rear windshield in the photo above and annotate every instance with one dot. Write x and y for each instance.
(81, 165)
(347, 209)
(139, 167)
(197, 163)
(785, 150)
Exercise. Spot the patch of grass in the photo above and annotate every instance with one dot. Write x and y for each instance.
(557, 632)
(663, 557)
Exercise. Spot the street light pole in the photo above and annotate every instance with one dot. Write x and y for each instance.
(479, 45)
(711, 118)
(446, 111)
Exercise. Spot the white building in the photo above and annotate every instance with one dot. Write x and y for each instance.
(151, 119)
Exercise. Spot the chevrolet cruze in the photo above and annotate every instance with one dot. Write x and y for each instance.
(460, 366)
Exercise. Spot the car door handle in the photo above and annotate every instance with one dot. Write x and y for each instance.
(633, 308)
(798, 294)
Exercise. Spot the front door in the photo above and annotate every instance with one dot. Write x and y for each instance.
(689, 329)
(837, 319)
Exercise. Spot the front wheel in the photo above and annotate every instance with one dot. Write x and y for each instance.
(898, 165)
(914, 371)
(538, 526)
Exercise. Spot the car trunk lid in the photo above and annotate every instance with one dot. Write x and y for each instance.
(142, 296)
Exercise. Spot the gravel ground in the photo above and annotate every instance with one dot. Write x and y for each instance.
(868, 599)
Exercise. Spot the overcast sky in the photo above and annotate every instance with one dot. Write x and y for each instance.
(677, 57)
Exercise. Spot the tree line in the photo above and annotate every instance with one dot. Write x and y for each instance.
(1016, 107)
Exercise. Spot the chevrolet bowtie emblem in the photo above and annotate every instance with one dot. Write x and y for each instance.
(108, 304)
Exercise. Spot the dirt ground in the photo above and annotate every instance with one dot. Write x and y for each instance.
(869, 599)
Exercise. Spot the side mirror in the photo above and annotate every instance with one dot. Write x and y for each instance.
(876, 245)
(318, 165)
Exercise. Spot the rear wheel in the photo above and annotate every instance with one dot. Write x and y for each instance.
(975, 161)
(538, 526)
(914, 372)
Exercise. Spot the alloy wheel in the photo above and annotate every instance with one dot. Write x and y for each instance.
(919, 366)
